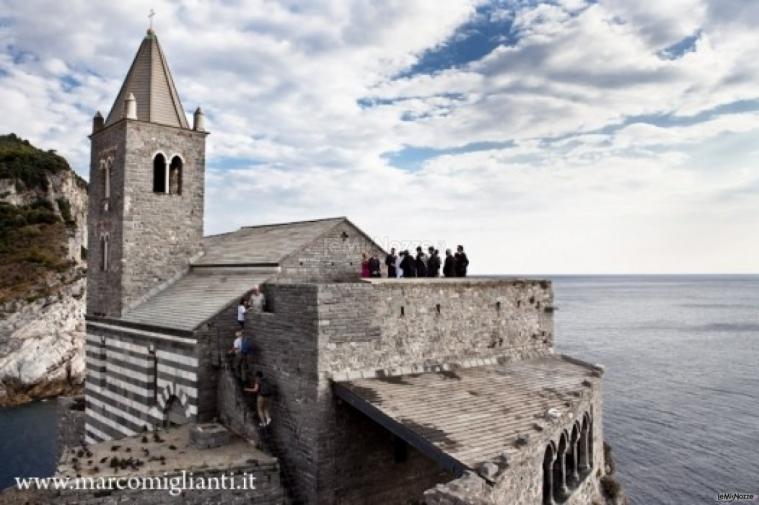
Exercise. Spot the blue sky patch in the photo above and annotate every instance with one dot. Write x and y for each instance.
(411, 158)
(680, 48)
(490, 27)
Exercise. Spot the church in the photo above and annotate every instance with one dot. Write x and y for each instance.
(436, 391)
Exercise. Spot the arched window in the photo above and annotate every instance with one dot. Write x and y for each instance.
(175, 176)
(104, 253)
(549, 460)
(560, 489)
(160, 175)
(573, 474)
(174, 414)
(105, 165)
(586, 457)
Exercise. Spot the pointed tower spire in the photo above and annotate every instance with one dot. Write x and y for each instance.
(149, 81)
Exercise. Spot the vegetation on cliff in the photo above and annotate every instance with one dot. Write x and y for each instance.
(33, 236)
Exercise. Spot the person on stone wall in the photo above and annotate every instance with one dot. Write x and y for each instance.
(241, 309)
(408, 264)
(449, 267)
(421, 262)
(263, 390)
(256, 300)
(236, 353)
(433, 263)
(375, 267)
(364, 265)
(390, 261)
(398, 270)
(461, 261)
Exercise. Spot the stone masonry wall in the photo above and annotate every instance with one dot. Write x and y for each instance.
(364, 464)
(162, 232)
(521, 480)
(104, 218)
(284, 340)
(70, 415)
(334, 257)
(214, 339)
(397, 325)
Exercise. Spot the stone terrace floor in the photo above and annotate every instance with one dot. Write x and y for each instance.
(159, 452)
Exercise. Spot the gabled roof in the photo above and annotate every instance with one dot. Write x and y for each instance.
(149, 79)
(197, 297)
(264, 244)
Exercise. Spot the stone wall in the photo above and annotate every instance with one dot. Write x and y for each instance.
(334, 454)
(404, 325)
(214, 338)
(364, 464)
(334, 257)
(284, 340)
(162, 232)
(520, 480)
(70, 422)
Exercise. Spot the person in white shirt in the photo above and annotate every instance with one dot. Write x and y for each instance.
(241, 309)
(236, 353)
(256, 300)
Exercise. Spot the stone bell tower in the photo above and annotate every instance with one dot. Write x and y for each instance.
(146, 187)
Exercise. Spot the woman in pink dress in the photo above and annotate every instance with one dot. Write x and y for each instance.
(364, 265)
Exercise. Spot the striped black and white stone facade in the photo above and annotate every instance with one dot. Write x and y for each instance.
(132, 374)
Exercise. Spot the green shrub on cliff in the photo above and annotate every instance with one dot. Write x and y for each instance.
(21, 161)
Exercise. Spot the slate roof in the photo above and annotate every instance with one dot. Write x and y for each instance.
(265, 244)
(469, 416)
(149, 79)
(196, 297)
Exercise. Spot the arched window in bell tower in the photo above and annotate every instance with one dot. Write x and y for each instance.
(104, 253)
(175, 176)
(160, 175)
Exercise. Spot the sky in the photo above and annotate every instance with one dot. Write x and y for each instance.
(567, 136)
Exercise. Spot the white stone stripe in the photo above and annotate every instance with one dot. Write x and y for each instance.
(120, 399)
(115, 342)
(145, 363)
(95, 431)
(121, 413)
(151, 334)
(177, 358)
(182, 359)
(113, 424)
(162, 367)
(130, 387)
(131, 373)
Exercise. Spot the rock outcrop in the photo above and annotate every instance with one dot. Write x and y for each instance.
(43, 211)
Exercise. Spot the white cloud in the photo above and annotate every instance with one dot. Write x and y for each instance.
(589, 183)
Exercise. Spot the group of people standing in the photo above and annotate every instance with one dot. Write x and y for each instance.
(405, 264)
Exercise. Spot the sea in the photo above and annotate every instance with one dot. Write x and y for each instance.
(681, 387)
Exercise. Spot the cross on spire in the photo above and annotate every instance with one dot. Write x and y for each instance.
(150, 16)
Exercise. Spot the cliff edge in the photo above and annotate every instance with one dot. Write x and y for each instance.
(43, 212)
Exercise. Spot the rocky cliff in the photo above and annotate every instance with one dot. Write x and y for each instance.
(43, 212)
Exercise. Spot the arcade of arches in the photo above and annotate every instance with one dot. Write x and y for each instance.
(568, 463)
